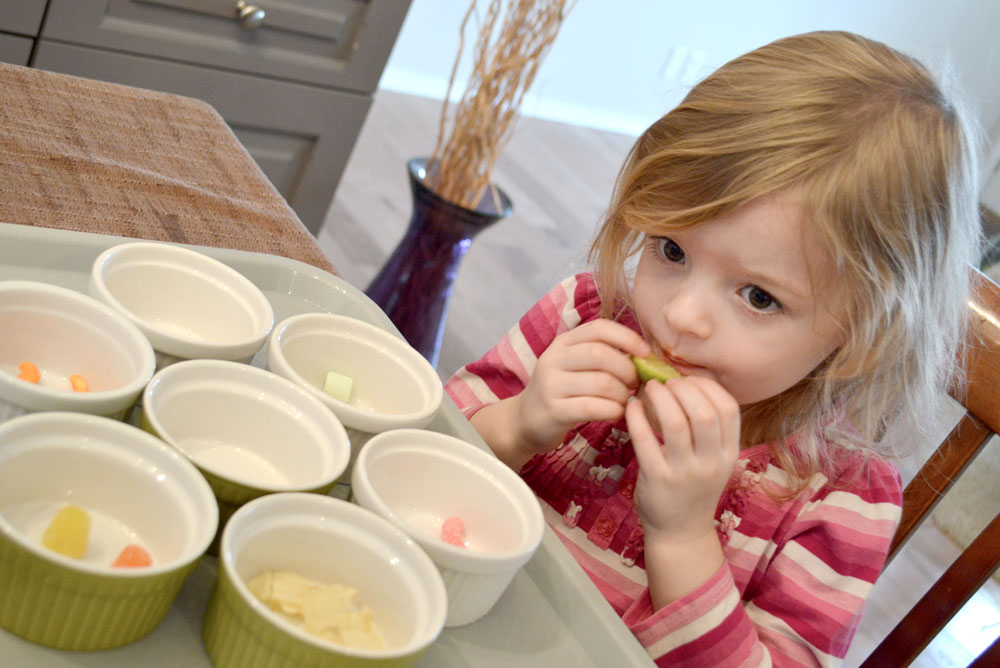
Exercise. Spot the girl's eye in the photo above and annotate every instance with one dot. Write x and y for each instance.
(669, 250)
(759, 300)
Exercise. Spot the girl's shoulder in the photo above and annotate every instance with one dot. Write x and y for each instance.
(582, 290)
(863, 473)
(868, 474)
(582, 296)
(573, 301)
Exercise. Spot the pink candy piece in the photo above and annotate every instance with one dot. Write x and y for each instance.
(453, 531)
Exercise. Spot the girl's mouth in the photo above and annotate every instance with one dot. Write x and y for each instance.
(679, 363)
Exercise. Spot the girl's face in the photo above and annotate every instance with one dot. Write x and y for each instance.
(734, 299)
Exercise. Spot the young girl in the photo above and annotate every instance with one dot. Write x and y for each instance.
(795, 239)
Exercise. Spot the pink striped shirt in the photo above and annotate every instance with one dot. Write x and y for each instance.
(798, 570)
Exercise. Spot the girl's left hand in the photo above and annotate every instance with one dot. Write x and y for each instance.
(680, 482)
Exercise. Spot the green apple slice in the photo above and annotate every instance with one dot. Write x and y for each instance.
(338, 386)
(653, 368)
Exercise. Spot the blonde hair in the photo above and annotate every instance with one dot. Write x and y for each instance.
(887, 166)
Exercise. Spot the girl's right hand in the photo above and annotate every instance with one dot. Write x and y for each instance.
(586, 374)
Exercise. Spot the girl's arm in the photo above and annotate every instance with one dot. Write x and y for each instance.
(494, 424)
(792, 597)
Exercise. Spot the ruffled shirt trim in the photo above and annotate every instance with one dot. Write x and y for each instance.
(591, 483)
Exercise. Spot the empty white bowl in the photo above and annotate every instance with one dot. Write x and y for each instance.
(330, 541)
(62, 333)
(189, 305)
(249, 431)
(418, 479)
(395, 387)
(135, 489)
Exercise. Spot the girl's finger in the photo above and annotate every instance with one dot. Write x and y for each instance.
(609, 332)
(589, 409)
(701, 412)
(587, 383)
(597, 384)
(644, 441)
(674, 424)
(599, 356)
(728, 410)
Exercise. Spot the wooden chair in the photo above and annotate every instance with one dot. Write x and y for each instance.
(981, 558)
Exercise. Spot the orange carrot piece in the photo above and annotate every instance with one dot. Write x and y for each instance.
(133, 556)
(29, 372)
(79, 383)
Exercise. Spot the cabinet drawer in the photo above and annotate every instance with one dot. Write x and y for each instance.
(15, 49)
(336, 43)
(301, 144)
(21, 16)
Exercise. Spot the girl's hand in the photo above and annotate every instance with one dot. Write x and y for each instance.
(586, 374)
(680, 482)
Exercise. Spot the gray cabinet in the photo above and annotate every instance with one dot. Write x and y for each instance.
(19, 24)
(15, 49)
(22, 17)
(295, 87)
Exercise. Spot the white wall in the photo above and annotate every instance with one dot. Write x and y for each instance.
(620, 64)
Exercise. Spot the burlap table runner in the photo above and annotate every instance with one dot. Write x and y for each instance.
(92, 156)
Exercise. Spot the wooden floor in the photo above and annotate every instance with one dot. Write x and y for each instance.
(560, 178)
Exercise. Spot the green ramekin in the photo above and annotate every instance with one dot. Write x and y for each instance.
(307, 533)
(74, 610)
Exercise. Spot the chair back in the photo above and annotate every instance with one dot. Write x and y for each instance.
(981, 398)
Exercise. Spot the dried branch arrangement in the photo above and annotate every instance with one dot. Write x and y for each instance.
(506, 59)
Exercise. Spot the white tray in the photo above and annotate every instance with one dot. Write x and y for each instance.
(551, 615)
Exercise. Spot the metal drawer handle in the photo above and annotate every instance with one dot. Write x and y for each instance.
(250, 16)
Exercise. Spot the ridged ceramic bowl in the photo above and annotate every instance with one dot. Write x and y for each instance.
(189, 305)
(331, 541)
(419, 479)
(395, 387)
(135, 489)
(250, 432)
(63, 333)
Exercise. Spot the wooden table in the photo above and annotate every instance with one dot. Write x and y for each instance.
(84, 155)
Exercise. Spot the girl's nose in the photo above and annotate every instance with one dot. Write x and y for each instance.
(688, 311)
